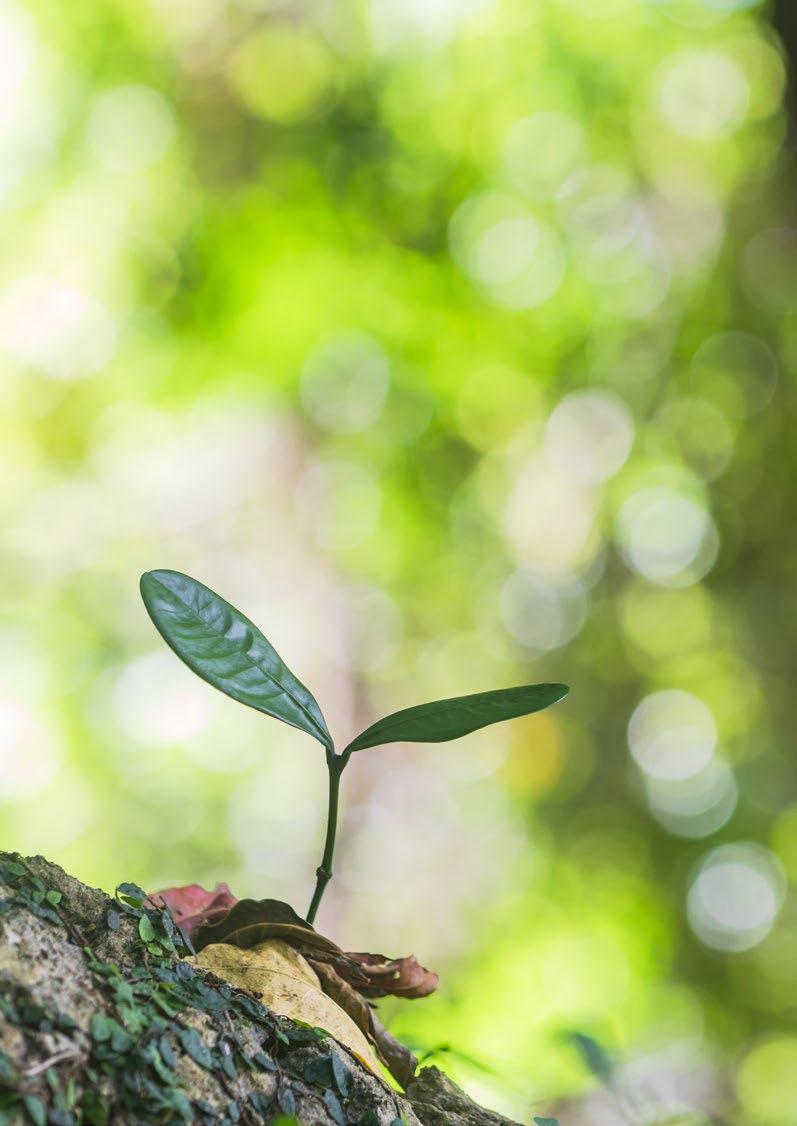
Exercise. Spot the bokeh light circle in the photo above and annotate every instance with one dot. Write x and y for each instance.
(345, 383)
(735, 370)
(130, 128)
(543, 607)
(56, 328)
(589, 436)
(158, 702)
(735, 896)
(282, 74)
(765, 1083)
(672, 735)
(29, 756)
(697, 805)
(702, 94)
(667, 537)
(516, 258)
(339, 501)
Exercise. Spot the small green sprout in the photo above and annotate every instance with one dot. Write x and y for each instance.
(222, 646)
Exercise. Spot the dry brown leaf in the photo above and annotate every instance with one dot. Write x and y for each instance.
(397, 977)
(256, 927)
(397, 1058)
(344, 995)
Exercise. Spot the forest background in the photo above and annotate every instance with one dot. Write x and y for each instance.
(455, 342)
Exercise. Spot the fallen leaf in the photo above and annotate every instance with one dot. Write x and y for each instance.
(252, 921)
(396, 977)
(344, 995)
(288, 985)
(263, 930)
(192, 906)
(396, 1057)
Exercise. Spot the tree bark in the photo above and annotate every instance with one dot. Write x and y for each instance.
(101, 1024)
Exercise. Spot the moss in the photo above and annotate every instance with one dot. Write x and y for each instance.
(102, 1022)
(149, 1037)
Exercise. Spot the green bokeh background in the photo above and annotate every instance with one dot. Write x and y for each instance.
(454, 341)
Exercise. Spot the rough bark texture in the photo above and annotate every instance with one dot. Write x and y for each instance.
(437, 1101)
(101, 1024)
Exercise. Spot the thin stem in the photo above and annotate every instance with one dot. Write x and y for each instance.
(335, 765)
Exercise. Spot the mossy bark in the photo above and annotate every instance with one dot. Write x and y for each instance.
(101, 1023)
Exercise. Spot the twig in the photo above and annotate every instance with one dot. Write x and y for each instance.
(59, 1057)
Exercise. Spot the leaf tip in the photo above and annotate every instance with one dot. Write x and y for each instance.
(158, 576)
(147, 580)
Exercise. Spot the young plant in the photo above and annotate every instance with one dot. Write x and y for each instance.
(222, 646)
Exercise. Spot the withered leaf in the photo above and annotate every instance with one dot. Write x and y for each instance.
(344, 995)
(347, 978)
(397, 1057)
(396, 977)
(192, 906)
(253, 920)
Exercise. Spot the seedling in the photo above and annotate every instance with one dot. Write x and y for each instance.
(222, 646)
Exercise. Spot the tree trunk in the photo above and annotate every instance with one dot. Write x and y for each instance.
(101, 1024)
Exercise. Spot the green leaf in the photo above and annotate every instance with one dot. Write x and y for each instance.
(547, 1121)
(449, 719)
(95, 1108)
(335, 1109)
(146, 930)
(36, 1109)
(195, 1048)
(222, 646)
(594, 1055)
(341, 1074)
(100, 1027)
(131, 894)
(286, 1100)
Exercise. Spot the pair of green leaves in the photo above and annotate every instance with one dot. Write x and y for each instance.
(222, 646)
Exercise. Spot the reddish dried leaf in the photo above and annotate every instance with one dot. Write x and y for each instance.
(396, 977)
(192, 906)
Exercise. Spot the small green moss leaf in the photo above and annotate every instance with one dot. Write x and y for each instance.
(286, 1100)
(131, 893)
(146, 930)
(194, 1047)
(100, 1027)
(36, 1109)
(95, 1108)
(342, 1075)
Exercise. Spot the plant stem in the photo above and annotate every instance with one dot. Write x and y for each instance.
(335, 765)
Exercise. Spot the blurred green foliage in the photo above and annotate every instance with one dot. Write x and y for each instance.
(453, 340)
